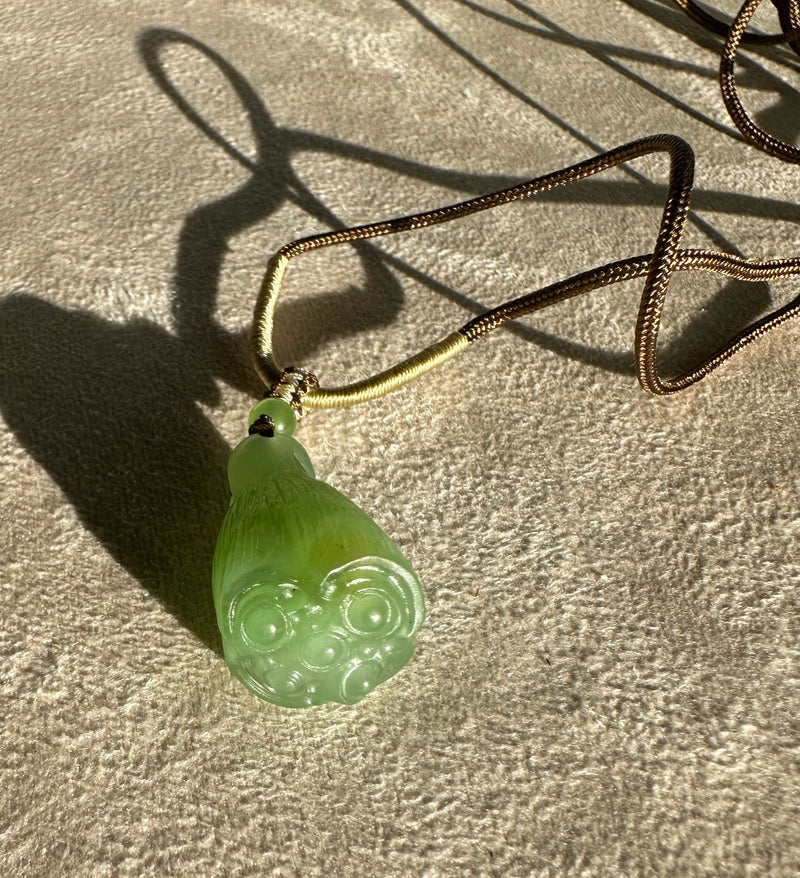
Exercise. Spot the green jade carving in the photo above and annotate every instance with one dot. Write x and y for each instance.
(314, 601)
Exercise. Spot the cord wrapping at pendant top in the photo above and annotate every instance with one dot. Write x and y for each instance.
(657, 267)
(292, 386)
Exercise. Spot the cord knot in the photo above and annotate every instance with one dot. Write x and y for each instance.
(292, 386)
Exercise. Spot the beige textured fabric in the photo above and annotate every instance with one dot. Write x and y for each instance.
(607, 683)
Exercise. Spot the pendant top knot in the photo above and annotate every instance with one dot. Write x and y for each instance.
(292, 386)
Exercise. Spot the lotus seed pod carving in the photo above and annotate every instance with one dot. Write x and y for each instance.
(314, 601)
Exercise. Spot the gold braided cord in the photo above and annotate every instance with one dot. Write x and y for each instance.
(348, 394)
(657, 267)
(390, 379)
(264, 317)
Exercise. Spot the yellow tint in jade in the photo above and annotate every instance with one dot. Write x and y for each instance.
(314, 601)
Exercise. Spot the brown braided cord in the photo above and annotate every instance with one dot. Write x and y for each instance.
(789, 17)
(708, 21)
(727, 79)
(657, 267)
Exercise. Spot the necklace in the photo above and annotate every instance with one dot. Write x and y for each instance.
(314, 601)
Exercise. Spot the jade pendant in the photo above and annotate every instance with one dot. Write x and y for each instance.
(314, 601)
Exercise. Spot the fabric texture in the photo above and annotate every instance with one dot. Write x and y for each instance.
(607, 681)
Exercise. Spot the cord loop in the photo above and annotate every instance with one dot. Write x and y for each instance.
(657, 267)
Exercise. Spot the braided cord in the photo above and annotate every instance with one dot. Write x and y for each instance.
(657, 267)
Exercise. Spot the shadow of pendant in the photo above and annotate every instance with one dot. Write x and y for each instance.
(314, 601)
